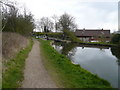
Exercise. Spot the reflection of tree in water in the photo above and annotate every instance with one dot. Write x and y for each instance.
(57, 46)
(116, 52)
(102, 50)
(72, 52)
(67, 47)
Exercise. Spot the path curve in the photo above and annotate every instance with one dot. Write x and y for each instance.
(35, 75)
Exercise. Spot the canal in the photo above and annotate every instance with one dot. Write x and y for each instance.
(99, 60)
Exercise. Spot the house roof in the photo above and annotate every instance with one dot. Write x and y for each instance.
(92, 32)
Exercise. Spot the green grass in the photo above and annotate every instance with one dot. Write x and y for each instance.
(13, 75)
(66, 74)
(98, 43)
(107, 43)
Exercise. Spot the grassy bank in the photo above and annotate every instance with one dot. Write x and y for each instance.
(96, 44)
(13, 75)
(12, 43)
(66, 74)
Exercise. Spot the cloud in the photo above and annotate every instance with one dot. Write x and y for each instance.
(88, 14)
(93, 15)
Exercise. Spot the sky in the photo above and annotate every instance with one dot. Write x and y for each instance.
(89, 14)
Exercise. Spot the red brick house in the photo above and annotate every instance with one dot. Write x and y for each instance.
(90, 35)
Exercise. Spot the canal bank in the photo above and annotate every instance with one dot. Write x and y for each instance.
(65, 73)
(101, 60)
(83, 43)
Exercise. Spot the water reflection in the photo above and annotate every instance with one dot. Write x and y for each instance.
(116, 52)
(99, 60)
(64, 48)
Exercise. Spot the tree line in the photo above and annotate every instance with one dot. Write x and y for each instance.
(64, 24)
(14, 21)
(58, 24)
(23, 23)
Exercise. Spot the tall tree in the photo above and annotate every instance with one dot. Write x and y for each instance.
(67, 22)
(68, 26)
(56, 22)
(15, 22)
(46, 24)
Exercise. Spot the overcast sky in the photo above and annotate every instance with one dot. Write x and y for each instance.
(92, 14)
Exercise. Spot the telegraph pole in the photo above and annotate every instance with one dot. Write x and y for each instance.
(119, 16)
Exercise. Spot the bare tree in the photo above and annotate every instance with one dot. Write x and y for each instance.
(56, 22)
(46, 24)
(67, 22)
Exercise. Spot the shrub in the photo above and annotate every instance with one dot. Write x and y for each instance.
(70, 35)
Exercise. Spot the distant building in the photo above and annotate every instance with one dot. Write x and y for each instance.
(91, 35)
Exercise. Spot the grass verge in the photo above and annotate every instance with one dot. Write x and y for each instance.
(66, 74)
(13, 75)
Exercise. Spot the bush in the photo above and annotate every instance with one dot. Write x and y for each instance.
(70, 36)
(14, 21)
(54, 35)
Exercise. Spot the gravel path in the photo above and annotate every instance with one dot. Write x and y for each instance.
(35, 75)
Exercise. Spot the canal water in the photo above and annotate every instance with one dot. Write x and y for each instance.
(102, 61)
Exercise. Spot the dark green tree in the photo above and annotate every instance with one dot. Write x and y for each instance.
(115, 39)
(68, 26)
(116, 52)
(67, 22)
(16, 22)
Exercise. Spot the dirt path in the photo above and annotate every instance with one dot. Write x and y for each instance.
(35, 75)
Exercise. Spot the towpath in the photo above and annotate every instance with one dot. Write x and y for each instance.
(35, 75)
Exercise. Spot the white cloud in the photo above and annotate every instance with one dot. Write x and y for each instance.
(92, 17)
